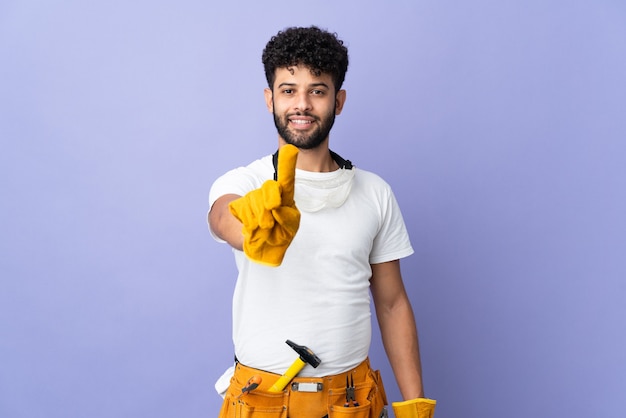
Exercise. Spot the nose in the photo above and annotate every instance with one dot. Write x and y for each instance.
(303, 102)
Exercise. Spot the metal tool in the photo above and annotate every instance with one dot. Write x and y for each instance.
(252, 384)
(350, 398)
(306, 356)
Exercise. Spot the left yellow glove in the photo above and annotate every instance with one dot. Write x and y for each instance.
(269, 214)
(415, 408)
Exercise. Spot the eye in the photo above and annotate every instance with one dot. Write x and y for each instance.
(317, 92)
(287, 91)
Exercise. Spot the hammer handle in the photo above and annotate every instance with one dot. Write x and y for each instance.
(288, 376)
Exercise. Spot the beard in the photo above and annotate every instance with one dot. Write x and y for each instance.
(305, 140)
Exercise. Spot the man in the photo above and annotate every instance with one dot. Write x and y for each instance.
(310, 245)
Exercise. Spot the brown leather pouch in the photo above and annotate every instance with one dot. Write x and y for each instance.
(258, 403)
(293, 403)
(370, 395)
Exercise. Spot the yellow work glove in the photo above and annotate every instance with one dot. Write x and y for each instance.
(415, 408)
(269, 214)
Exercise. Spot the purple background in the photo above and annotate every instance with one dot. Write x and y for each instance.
(500, 125)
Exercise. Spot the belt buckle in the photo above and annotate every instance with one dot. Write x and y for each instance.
(311, 387)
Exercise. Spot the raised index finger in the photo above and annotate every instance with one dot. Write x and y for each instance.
(286, 176)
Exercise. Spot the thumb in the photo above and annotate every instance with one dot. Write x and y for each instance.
(287, 157)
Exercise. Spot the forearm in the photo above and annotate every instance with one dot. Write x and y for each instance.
(224, 224)
(399, 335)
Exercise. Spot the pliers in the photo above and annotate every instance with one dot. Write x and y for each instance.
(350, 398)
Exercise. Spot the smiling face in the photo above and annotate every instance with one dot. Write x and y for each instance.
(304, 105)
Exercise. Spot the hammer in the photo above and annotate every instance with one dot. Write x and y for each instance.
(306, 357)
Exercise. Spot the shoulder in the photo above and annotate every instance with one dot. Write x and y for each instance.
(242, 179)
(371, 181)
(259, 169)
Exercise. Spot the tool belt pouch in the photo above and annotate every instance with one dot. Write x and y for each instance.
(370, 395)
(255, 404)
(259, 403)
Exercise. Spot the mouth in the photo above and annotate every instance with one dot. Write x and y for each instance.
(300, 122)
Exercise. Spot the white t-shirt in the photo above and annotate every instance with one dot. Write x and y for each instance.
(319, 296)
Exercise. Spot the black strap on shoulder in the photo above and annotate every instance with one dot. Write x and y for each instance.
(346, 164)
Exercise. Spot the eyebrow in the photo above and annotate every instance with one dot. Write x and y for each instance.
(309, 86)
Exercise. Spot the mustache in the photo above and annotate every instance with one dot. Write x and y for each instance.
(307, 114)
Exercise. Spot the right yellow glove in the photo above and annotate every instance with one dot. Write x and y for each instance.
(415, 408)
(269, 214)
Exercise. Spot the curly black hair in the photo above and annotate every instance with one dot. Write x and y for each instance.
(320, 50)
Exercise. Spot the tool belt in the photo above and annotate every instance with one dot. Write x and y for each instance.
(305, 397)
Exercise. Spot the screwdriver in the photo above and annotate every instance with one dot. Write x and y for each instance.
(252, 384)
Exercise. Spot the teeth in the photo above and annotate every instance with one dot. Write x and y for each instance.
(300, 121)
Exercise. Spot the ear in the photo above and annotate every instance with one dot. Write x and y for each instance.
(269, 102)
(340, 99)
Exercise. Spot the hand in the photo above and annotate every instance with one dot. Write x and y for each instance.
(269, 214)
(415, 408)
